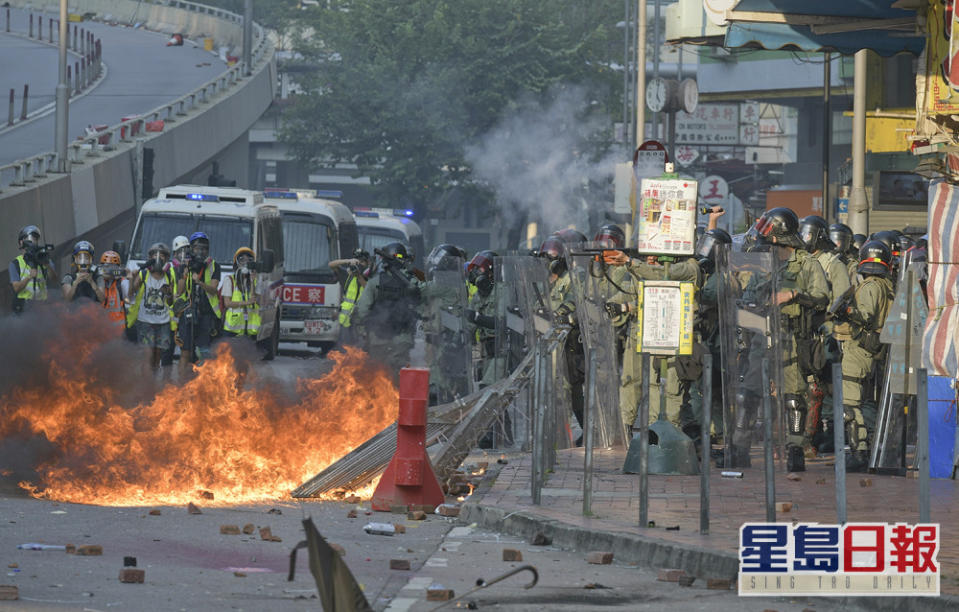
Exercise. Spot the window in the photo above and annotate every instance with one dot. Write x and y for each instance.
(227, 234)
(894, 190)
(307, 242)
(375, 238)
(163, 228)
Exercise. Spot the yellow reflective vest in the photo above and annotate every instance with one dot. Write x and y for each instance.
(350, 297)
(243, 320)
(134, 309)
(35, 290)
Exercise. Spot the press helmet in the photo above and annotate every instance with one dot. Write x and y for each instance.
(841, 235)
(180, 242)
(83, 247)
(814, 232)
(110, 257)
(875, 259)
(199, 236)
(243, 250)
(26, 232)
(159, 247)
(611, 234)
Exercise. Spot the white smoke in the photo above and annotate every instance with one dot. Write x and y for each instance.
(541, 160)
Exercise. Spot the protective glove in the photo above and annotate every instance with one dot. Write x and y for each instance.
(616, 309)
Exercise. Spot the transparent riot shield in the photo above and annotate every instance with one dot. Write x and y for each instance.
(447, 335)
(593, 284)
(523, 318)
(752, 352)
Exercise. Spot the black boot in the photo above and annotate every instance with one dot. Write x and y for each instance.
(738, 458)
(857, 461)
(795, 459)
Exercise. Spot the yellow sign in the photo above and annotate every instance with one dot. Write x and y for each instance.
(942, 77)
(664, 317)
(888, 135)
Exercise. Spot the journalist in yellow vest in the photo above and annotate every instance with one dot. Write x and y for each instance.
(240, 297)
(31, 270)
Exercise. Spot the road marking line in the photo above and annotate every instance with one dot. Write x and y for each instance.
(459, 532)
(401, 604)
(436, 562)
(418, 583)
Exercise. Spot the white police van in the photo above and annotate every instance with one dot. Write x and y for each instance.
(232, 218)
(378, 227)
(316, 231)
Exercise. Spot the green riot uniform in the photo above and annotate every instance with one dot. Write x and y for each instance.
(562, 301)
(837, 274)
(630, 391)
(867, 316)
(802, 274)
(707, 325)
(385, 316)
(485, 337)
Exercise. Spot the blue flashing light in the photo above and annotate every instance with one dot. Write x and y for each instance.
(280, 194)
(402, 212)
(329, 193)
(367, 213)
(203, 197)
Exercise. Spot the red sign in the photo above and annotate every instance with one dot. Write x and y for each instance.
(304, 294)
(650, 145)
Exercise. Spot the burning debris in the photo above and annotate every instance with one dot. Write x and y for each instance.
(77, 425)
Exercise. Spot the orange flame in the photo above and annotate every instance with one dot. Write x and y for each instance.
(242, 444)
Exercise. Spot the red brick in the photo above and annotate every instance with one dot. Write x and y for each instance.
(249, 528)
(192, 509)
(132, 575)
(266, 534)
(399, 564)
(240, 574)
(686, 581)
(9, 592)
(155, 513)
(719, 584)
(510, 554)
(865, 482)
(70, 549)
(784, 506)
(92, 550)
(448, 510)
(439, 594)
(670, 575)
(599, 557)
(351, 514)
(416, 515)
(230, 529)
(399, 527)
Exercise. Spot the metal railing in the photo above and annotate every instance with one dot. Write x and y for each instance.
(22, 172)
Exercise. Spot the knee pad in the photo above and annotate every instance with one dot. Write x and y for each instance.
(795, 414)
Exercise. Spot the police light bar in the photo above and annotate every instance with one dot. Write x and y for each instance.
(366, 213)
(329, 193)
(203, 197)
(402, 212)
(280, 194)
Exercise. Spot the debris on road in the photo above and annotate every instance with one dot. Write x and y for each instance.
(784, 506)
(599, 557)
(35, 546)
(399, 527)
(439, 593)
(865, 482)
(793, 476)
(416, 515)
(732, 474)
(266, 534)
(192, 509)
(399, 564)
(129, 561)
(274, 511)
(351, 513)
(91, 550)
(352, 499)
(386, 529)
(686, 581)
(240, 574)
(132, 575)
(541, 539)
(155, 513)
(249, 528)
(9, 592)
(511, 554)
(718, 584)
(670, 575)
(595, 585)
(70, 549)
(448, 510)
(229, 529)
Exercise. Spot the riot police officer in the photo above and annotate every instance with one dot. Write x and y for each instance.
(482, 314)
(841, 236)
(865, 317)
(387, 312)
(445, 298)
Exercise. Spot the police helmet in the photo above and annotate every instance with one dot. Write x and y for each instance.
(612, 235)
(479, 271)
(779, 223)
(554, 250)
(571, 236)
(888, 237)
(394, 254)
(710, 242)
(905, 243)
(841, 235)
(814, 232)
(445, 256)
(27, 232)
(857, 241)
(83, 247)
(875, 259)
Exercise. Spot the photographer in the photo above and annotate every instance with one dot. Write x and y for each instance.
(199, 283)
(83, 280)
(358, 268)
(31, 270)
(241, 297)
(153, 288)
(115, 286)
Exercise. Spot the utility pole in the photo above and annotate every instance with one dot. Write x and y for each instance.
(248, 37)
(62, 95)
(827, 210)
(656, 44)
(858, 211)
(641, 73)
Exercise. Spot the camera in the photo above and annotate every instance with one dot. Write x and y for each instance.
(38, 254)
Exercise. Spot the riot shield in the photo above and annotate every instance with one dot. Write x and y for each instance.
(593, 284)
(752, 352)
(447, 335)
(523, 317)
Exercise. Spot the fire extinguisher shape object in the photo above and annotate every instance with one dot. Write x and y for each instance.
(409, 478)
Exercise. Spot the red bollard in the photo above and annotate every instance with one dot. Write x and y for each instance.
(409, 478)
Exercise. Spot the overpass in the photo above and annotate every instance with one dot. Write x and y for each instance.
(201, 114)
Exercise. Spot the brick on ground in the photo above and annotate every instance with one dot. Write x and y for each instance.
(784, 506)
(399, 527)
(448, 510)
(599, 557)
(416, 515)
(9, 592)
(541, 539)
(132, 575)
(718, 584)
(249, 528)
(399, 564)
(439, 594)
(686, 581)
(670, 575)
(511, 554)
(230, 529)
(192, 509)
(91, 550)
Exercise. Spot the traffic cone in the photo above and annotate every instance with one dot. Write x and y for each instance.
(409, 478)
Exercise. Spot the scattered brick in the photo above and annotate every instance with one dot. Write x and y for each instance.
(9, 592)
(240, 574)
(770, 610)
(670, 575)
(274, 511)
(865, 482)
(12, 565)
(230, 529)
(718, 584)
(192, 509)
(784, 506)
(416, 515)
(399, 509)
(686, 581)
(793, 476)
(92, 550)
(399, 564)
(155, 513)
(70, 549)
(482, 465)
(276, 539)
(448, 510)
(399, 527)
(821, 481)
(511, 554)
(351, 514)
(206, 495)
(352, 499)
(266, 533)
(439, 594)
(912, 474)
(132, 575)
(541, 539)
(339, 549)
(249, 528)
(599, 557)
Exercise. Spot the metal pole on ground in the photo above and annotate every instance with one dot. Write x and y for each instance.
(705, 446)
(537, 455)
(63, 93)
(770, 469)
(588, 409)
(26, 92)
(922, 445)
(839, 442)
(247, 37)
(8, 19)
(644, 445)
(12, 103)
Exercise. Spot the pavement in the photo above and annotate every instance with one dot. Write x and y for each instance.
(505, 505)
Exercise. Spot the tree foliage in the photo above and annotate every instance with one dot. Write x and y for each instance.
(401, 87)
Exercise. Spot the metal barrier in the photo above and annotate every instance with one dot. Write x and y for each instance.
(21, 172)
(544, 415)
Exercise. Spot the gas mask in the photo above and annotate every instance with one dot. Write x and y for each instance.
(200, 250)
(83, 261)
(157, 262)
(484, 284)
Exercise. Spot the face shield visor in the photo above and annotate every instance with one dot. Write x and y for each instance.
(83, 260)
(200, 249)
(842, 240)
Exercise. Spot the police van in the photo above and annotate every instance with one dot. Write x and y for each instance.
(378, 227)
(316, 231)
(232, 218)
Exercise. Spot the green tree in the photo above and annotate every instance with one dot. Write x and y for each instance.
(401, 87)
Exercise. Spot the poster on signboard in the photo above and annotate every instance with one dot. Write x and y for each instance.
(665, 321)
(942, 72)
(666, 219)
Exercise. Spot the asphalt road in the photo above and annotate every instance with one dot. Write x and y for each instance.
(142, 73)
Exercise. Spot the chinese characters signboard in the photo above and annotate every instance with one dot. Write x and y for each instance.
(710, 124)
(666, 219)
(665, 321)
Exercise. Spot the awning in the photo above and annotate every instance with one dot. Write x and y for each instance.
(941, 336)
(824, 25)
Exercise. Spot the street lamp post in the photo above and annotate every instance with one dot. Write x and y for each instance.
(62, 95)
